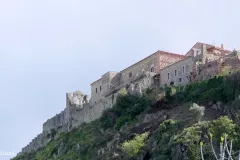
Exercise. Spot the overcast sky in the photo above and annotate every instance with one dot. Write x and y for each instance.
(50, 47)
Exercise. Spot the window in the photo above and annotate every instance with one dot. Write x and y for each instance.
(180, 79)
(175, 73)
(96, 90)
(183, 69)
(152, 69)
(197, 52)
(130, 74)
(100, 88)
(168, 75)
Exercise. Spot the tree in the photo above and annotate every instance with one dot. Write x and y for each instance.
(133, 147)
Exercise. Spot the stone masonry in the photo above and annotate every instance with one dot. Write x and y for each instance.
(159, 69)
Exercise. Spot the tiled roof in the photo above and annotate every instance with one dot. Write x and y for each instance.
(173, 54)
(158, 52)
(185, 57)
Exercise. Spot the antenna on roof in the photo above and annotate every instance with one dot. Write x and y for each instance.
(214, 42)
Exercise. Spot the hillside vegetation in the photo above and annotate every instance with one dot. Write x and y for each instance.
(198, 121)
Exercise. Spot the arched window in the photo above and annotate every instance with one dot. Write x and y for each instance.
(152, 69)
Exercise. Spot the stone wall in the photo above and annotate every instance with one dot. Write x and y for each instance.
(208, 70)
(73, 115)
(96, 88)
(36, 143)
(152, 63)
(178, 73)
(206, 52)
(56, 122)
(225, 65)
(112, 81)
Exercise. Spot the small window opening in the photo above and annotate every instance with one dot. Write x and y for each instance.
(100, 88)
(168, 75)
(175, 73)
(96, 90)
(183, 69)
(152, 69)
(130, 75)
(180, 79)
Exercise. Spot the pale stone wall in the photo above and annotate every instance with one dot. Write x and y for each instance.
(153, 63)
(73, 116)
(112, 81)
(57, 121)
(96, 91)
(70, 118)
(130, 73)
(178, 73)
(209, 70)
(100, 87)
(36, 143)
(206, 53)
(225, 65)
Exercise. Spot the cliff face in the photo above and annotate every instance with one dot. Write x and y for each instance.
(173, 124)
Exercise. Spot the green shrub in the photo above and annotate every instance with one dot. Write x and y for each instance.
(164, 136)
(123, 92)
(127, 107)
(198, 111)
(222, 125)
(168, 93)
(108, 119)
(133, 147)
(121, 121)
(190, 137)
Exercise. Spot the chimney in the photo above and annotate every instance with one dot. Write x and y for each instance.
(222, 48)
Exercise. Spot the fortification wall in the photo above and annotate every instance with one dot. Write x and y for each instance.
(70, 118)
(88, 113)
(38, 142)
(56, 122)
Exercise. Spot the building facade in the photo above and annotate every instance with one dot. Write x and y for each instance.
(113, 81)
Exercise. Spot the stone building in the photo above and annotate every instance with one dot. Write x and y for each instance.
(201, 62)
(222, 66)
(178, 73)
(113, 81)
(205, 53)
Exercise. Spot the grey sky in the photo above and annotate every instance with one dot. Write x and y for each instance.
(50, 47)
